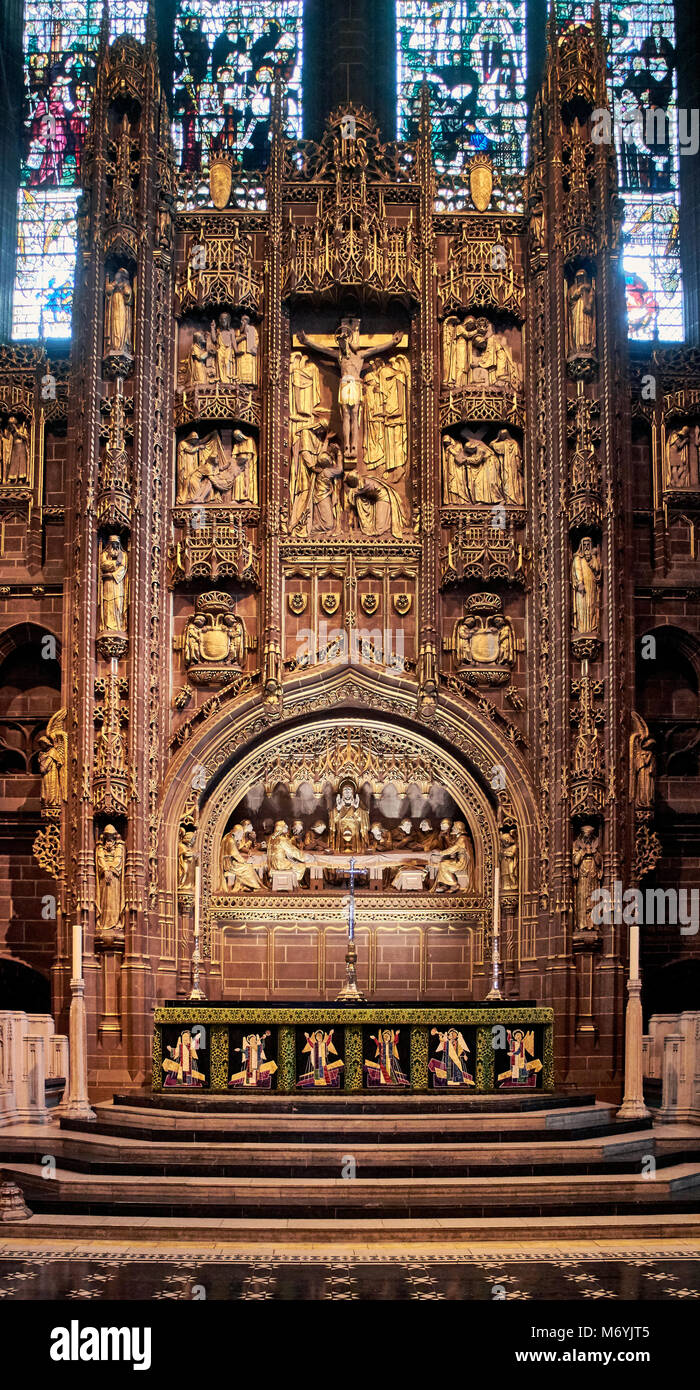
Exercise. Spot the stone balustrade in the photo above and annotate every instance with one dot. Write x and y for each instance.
(671, 1055)
(31, 1054)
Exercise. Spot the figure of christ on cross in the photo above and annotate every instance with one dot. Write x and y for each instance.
(350, 358)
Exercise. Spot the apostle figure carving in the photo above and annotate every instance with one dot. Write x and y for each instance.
(113, 586)
(587, 869)
(476, 472)
(238, 875)
(119, 309)
(511, 467)
(283, 856)
(349, 821)
(244, 457)
(474, 354)
(313, 496)
(642, 765)
(350, 359)
(581, 305)
(378, 505)
(456, 864)
(109, 872)
(224, 341)
(15, 451)
(198, 360)
(586, 580)
(304, 392)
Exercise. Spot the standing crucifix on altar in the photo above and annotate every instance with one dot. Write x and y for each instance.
(350, 358)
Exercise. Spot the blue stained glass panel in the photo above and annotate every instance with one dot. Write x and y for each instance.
(472, 54)
(227, 56)
(61, 39)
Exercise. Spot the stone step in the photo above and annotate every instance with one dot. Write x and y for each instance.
(94, 1152)
(407, 1197)
(358, 1103)
(381, 1127)
(264, 1235)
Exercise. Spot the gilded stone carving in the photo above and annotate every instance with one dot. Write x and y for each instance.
(642, 767)
(586, 581)
(119, 309)
(587, 870)
(113, 589)
(110, 856)
(350, 358)
(53, 760)
(215, 641)
(483, 643)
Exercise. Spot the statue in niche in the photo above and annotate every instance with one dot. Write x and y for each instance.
(350, 359)
(119, 308)
(586, 580)
(198, 359)
(53, 761)
(215, 636)
(509, 859)
(455, 484)
(246, 341)
(113, 586)
(510, 459)
(642, 765)
(377, 504)
(204, 473)
(238, 875)
(456, 353)
(223, 338)
(587, 869)
(304, 392)
(457, 861)
(313, 496)
(283, 856)
(495, 358)
(679, 446)
(581, 320)
(186, 857)
(109, 871)
(15, 451)
(349, 821)
(244, 457)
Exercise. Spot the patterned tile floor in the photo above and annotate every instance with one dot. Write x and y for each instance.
(584, 1271)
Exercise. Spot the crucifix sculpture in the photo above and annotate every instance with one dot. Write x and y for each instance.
(350, 358)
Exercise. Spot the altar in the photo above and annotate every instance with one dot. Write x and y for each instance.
(327, 1048)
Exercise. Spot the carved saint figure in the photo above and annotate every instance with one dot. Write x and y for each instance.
(373, 419)
(393, 385)
(283, 856)
(53, 761)
(198, 360)
(450, 1067)
(509, 860)
(246, 352)
(223, 337)
(238, 875)
(109, 871)
(682, 457)
(350, 359)
(204, 473)
(582, 315)
(586, 579)
(642, 765)
(511, 467)
(456, 860)
(119, 301)
(349, 822)
(587, 870)
(455, 482)
(16, 451)
(113, 586)
(484, 472)
(456, 352)
(186, 857)
(244, 456)
(316, 467)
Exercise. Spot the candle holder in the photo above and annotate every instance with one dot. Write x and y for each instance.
(196, 991)
(495, 995)
(350, 994)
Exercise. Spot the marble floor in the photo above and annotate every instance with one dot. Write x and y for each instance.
(571, 1270)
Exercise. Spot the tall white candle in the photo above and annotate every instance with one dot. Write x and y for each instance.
(77, 951)
(634, 951)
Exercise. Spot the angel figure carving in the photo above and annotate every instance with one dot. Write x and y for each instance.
(53, 761)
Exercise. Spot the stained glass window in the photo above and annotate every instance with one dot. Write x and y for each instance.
(472, 54)
(227, 56)
(642, 90)
(61, 38)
